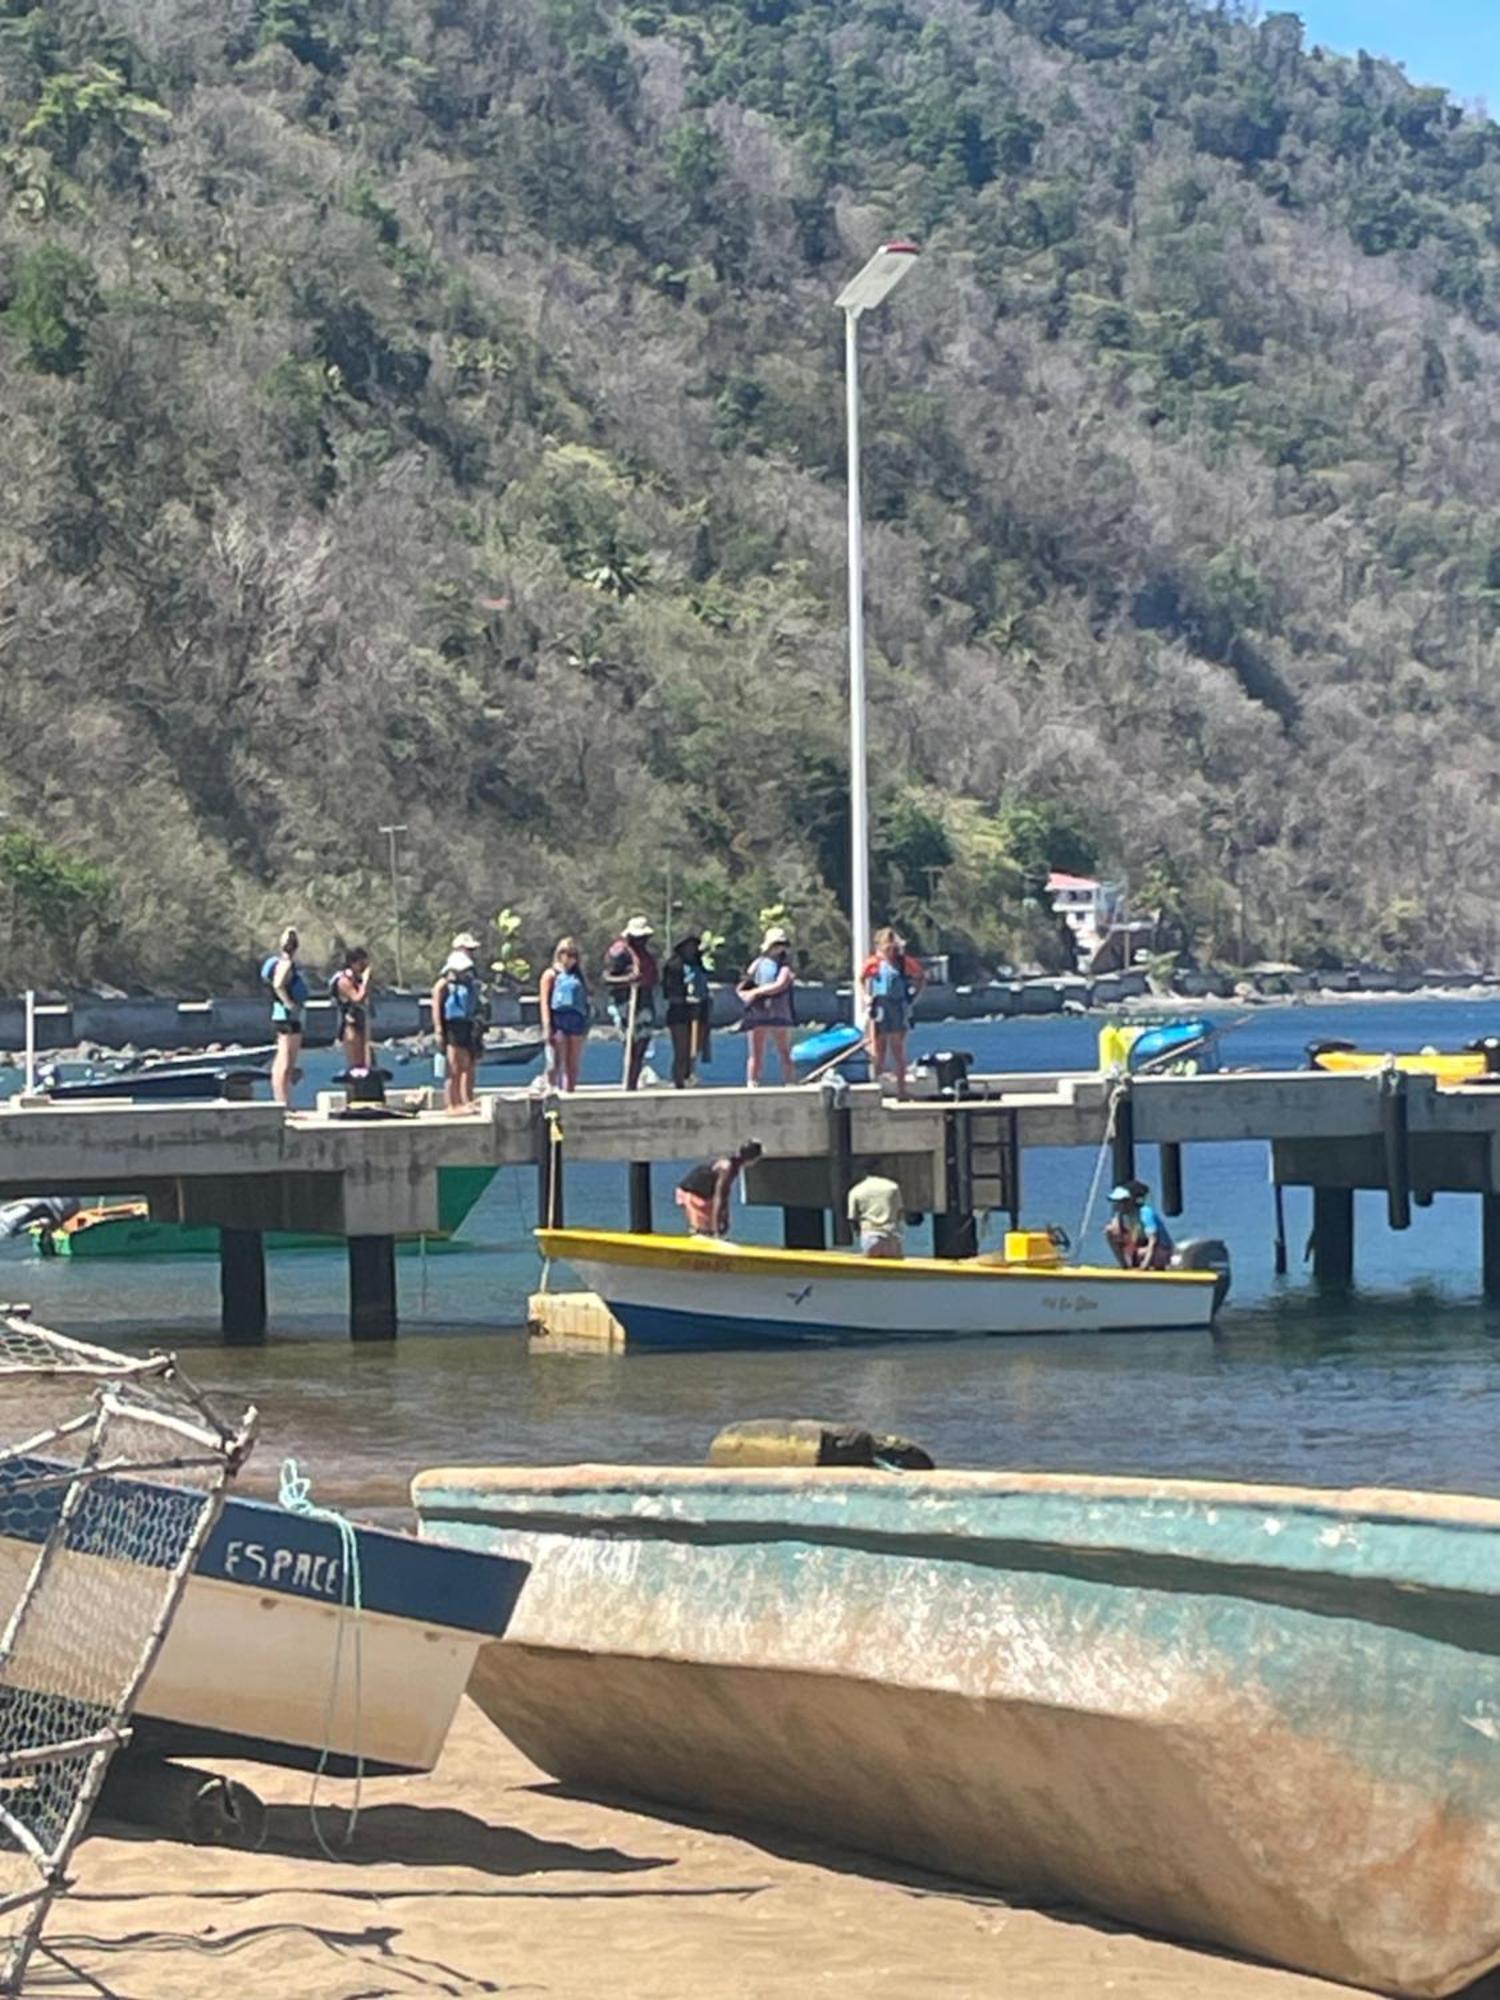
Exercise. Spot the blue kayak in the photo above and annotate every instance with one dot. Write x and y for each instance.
(1175, 1043)
(827, 1047)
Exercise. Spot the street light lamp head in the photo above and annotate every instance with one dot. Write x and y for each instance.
(885, 269)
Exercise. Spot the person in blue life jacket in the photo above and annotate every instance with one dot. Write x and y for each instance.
(892, 978)
(287, 984)
(765, 993)
(458, 1020)
(565, 1007)
(684, 985)
(349, 990)
(1136, 1232)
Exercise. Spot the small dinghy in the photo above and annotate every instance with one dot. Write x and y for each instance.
(512, 1055)
(172, 1084)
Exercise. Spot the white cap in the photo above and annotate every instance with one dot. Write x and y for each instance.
(458, 961)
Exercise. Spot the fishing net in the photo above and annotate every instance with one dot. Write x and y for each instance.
(112, 1473)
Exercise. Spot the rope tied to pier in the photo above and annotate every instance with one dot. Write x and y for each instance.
(295, 1495)
(553, 1119)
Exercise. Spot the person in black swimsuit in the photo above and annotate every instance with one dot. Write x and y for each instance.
(350, 988)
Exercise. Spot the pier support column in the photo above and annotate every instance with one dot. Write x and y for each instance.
(372, 1288)
(547, 1141)
(640, 1198)
(1333, 1236)
(1124, 1137)
(1491, 1227)
(840, 1162)
(802, 1229)
(242, 1285)
(1171, 1179)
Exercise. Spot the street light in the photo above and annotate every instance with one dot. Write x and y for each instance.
(394, 833)
(884, 271)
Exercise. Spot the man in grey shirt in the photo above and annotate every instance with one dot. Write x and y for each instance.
(875, 1211)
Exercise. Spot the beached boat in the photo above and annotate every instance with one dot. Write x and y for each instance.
(170, 1083)
(520, 1054)
(1449, 1066)
(266, 1659)
(685, 1291)
(1258, 1717)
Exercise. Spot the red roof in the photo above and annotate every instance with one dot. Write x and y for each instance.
(1057, 880)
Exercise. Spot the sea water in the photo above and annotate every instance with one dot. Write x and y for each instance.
(1397, 1384)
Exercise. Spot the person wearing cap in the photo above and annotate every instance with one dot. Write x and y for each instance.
(703, 1192)
(631, 980)
(892, 978)
(765, 993)
(684, 986)
(1136, 1232)
(458, 1021)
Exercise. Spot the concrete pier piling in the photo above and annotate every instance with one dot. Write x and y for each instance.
(242, 1285)
(372, 1288)
(1333, 1237)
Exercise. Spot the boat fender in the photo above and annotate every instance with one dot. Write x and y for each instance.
(1206, 1253)
(811, 1441)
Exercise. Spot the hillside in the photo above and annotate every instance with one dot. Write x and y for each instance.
(432, 413)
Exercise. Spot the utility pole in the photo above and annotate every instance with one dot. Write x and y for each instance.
(394, 833)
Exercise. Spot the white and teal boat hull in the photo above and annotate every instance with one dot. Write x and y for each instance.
(1266, 1719)
(686, 1292)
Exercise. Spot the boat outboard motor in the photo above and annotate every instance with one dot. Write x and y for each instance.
(1206, 1253)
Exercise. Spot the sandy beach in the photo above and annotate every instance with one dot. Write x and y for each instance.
(485, 1879)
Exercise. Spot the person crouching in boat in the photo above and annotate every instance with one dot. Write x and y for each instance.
(703, 1192)
(1136, 1232)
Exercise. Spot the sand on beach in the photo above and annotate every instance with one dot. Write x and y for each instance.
(484, 1878)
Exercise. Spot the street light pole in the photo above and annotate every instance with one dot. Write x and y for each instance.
(394, 833)
(884, 270)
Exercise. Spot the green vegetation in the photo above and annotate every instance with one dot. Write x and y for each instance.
(432, 414)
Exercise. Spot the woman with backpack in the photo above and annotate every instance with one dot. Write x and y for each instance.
(892, 979)
(565, 1006)
(458, 1022)
(349, 990)
(765, 992)
(288, 986)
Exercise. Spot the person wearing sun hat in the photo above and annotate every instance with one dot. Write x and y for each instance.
(1136, 1232)
(766, 994)
(458, 1020)
(685, 988)
(631, 981)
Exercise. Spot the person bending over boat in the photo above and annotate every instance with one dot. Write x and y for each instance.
(877, 1215)
(1136, 1232)
(892, 979)
(703, 1192)
(565, 1005)
(288, 984)
(349, 989)
(684, 985)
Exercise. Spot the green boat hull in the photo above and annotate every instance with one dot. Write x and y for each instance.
(1261, 1718)
(459, 1188)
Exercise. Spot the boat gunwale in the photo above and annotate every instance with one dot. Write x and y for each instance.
(1388, 1506)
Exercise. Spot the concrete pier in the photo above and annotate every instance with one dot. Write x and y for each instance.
(1333, 1236)
(251, 1168)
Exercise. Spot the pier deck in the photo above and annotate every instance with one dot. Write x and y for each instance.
(248, 1168)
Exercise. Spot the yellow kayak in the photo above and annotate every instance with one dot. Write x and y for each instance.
(1449, 1066)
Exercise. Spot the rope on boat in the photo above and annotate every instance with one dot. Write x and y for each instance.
(553, 1118)
(295, 1494)
(1106, 1144)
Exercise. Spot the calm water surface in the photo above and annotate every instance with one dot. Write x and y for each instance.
(1397, 1385)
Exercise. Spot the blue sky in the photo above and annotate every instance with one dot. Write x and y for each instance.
(1452, 42)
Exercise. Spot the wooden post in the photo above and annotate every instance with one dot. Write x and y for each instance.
(1124, 1139)
(1279, 1196)
(954, 1232)
(242, 1285)
(640, 1198)
(1333, 1236)
(840, 1163)
(1171, 1178)
(802, 1229)
(372, 1288)
(548, 1145)
(1393, 1134)
(1491, 1229)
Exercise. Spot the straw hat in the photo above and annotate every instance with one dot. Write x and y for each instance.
(775, 935)
(639, 927)
(466, 941)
